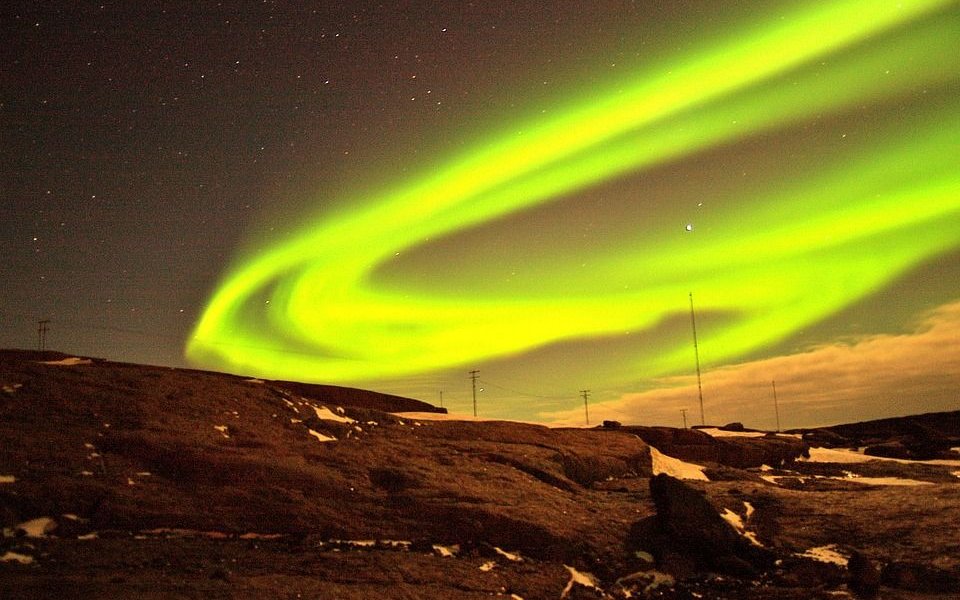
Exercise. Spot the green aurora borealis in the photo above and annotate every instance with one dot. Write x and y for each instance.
(850, 109)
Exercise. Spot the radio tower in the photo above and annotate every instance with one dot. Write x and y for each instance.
(696, 354)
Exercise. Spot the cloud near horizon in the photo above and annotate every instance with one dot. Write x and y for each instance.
(866, 378)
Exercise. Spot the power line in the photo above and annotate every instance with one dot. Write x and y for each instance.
(43, 326)
(521, 393)
(473, 379)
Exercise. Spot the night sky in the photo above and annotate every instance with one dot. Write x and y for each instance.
(391, 195)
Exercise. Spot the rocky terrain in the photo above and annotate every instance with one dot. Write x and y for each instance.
(120, 481)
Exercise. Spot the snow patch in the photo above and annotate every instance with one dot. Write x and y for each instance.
(488, 566)
(749, 508)
(579, 577)
(88, 536)
(37, 528)
(736, 522)
(446, 551)
(10, 389)
(395, 544)
(827, 554)
(320, 437)
(325, 414)
(67, 362)
(733, 518)
(259, 381)
(955, 473)
(223, 430)
(23, 559)
(842, 455)
(661, 463)
(714, 432)
(511, 556)
(885, 481)
(261, 536)
(8, 479)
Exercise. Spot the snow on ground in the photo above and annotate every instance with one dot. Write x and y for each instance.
(488, 566)
(395, 544)
(845, 455)
(67, 362)
(955, 473)
(737, 523)
(37, 528)
(713, 431)
(431, 416)
(23, 559)
(827, 554)
(321, 437)
(253, 381)
(446, 551)
(325, 414)
(8, 479)
(10, 389)
(223, 430)
(884, 481)
(511, 556)
(733, 518)
(661, 463)
(583, 578)
(851, 477)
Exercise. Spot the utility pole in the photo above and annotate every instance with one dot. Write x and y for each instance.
(683, 413)
(696, 354)
(441, 398)
(42, 329)
(776, 409)
(586, 413)
(473, 377)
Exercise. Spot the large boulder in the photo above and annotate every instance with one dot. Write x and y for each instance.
(688, 535)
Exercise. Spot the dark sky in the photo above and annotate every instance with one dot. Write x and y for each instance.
(153, 152)
(144, 142)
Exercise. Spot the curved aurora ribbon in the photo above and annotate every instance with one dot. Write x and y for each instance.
(309, 307)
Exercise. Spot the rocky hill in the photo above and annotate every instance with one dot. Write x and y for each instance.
(121, 481)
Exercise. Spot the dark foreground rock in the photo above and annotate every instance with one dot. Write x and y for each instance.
(123, 481)
(687, 534)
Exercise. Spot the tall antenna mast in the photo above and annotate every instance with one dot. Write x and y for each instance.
(696, 354)
(776, 408)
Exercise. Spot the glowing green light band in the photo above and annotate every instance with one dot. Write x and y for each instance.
(309, 307)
